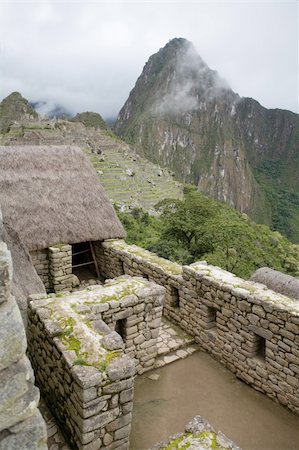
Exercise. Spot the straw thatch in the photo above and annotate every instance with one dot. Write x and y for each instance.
(277, 281)
(51, 195)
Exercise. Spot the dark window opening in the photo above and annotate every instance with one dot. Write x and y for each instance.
(120, 328)
(211, 318)
(259, 347)
(122, 265)
(84, 265)
(174, 297)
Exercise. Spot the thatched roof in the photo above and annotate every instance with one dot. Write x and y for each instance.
(277, 281)
(51, 195)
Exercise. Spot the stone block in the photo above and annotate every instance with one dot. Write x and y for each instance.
(119, 422)
(113, 341)
(122, 433)
(12, 334)
(30, 434)
(120, 368)
(126, 396)
(87, 376)
(5, 272)
(99, 420)
(19, 397)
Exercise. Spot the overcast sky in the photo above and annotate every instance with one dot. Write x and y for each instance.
(87, 55)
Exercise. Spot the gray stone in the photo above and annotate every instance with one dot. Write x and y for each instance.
(120, 368)
(87, 376)
(119, 422)
(30, 434)
(126, 396)
(85, 395)
(107, 439)
(118, 386)
(5, 272)
(122, 433)
(98, 421)
(99, 308)
(266, 334)
(16, 390)
(12, 334)
(113, 341)
(52, 328)
(15, 409)
(100, 326)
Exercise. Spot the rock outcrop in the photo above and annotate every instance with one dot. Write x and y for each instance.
(21, 424)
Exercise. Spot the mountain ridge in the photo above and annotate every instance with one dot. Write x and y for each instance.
(183, 115)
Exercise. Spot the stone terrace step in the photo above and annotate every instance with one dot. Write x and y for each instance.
(173, 344)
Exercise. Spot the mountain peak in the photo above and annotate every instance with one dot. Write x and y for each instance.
(15, 108)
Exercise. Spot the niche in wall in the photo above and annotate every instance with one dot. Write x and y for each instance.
(174, 297)
(211, 318)
(259, 347)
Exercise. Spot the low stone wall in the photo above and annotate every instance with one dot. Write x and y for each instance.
(60, 267)
(199, 434)
(40, 260)
(81, 363)
(250, 329)
(21, 425)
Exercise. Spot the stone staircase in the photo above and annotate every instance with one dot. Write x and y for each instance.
(173, 344)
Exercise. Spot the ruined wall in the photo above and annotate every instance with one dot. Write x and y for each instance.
(21, 425)
(83, 367)
(252, 330)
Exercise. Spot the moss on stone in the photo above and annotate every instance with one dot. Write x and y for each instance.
(204, 440)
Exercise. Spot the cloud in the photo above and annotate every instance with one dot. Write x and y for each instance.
(88, 55)
(191, 82)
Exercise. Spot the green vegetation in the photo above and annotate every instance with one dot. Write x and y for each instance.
(221, 144)
(15, 108)
(91, 119)
(198, 228)
(205, 439)
(284, 202)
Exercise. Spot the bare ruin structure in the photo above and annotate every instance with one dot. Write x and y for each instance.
(87, 346)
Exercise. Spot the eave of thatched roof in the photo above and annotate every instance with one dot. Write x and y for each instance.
(51, 194)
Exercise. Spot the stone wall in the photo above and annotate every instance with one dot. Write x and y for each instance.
(252, 330)
(83, 367)
(21, 425)
(40, 260)
(54, 267)
(60, 265)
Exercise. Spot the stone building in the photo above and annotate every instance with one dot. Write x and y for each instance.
(53, 207)
(86, 347)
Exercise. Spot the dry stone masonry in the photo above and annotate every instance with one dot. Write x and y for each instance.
(252, 330)
(21, 425)
(60, 267)
(83, 366)
(54, 267)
